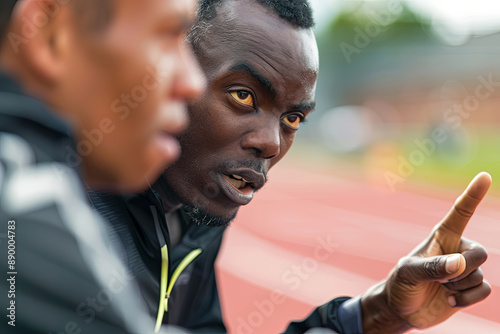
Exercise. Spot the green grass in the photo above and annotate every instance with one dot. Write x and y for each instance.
(450, 166)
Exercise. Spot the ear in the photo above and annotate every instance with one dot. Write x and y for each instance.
(39, 36)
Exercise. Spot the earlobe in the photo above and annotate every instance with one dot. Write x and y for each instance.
(38, 36)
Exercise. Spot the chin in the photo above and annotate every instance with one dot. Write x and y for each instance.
(113, 181)
(131, 184)
(204, 216)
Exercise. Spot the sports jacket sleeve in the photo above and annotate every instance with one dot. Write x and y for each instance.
(341, 315)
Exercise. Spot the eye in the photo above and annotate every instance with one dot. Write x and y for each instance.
(293, 121)
(243, 97)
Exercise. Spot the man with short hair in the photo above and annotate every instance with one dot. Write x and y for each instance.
(261, 61)
(91, 93)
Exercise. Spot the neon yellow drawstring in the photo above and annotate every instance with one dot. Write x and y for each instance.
(164, 292)
(163, 287)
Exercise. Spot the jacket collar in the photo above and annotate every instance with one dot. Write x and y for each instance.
(8, 85)
(35, 122)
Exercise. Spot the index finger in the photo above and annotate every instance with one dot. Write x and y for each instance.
(456, 220)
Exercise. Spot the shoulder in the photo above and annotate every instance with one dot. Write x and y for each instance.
(26, 187)
(62, 242)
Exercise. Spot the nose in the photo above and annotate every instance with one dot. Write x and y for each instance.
(190, 80)
(264, 140)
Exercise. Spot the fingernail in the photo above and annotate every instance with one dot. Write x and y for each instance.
(452, 263)
(452, 301)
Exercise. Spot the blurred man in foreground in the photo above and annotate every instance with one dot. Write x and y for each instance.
(90, 91)
(261, 61)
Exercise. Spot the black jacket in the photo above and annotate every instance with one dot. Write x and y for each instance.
(64, 274)
(194, 303)
(140, 223)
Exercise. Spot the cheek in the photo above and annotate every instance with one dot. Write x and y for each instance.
(139, 107)
(207, 121)
(136, 70)
(215, 129)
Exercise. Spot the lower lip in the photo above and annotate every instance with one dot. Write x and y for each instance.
(241, 197)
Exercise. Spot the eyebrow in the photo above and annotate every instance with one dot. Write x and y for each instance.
(263, 81)
(305, 106)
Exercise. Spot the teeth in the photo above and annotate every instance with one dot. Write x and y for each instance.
(238, 184)
(237, 177)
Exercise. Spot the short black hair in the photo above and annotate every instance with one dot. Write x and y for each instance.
(6, 7)
(296, 12)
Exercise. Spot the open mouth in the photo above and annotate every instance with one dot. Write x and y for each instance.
(236, 188)
(239, 183)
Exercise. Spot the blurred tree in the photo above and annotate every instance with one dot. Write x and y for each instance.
(365, 40)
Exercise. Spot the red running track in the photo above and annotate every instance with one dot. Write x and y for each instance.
(309, 237)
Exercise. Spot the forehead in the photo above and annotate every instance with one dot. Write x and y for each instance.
(247, 32)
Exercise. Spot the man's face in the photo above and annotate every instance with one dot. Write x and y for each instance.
(125, 89)
(261, 73)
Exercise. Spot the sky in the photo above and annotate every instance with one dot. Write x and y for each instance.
(459, 16)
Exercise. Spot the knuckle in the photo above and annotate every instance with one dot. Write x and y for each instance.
(405, 272)
(432, 268)
(451, 286)
(463, 212)
(479, 294)
(472, 280)
(487, 290)
(482, 253)
(475, 279)
(478, 255)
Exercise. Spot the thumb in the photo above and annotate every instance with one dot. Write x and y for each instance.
(416, 270)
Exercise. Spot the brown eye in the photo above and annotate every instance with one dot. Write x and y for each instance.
(292, 121)
(243, 97)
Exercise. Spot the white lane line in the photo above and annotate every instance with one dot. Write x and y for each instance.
(263, 264)
(267, 265)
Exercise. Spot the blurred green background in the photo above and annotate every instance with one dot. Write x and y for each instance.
(408, 93)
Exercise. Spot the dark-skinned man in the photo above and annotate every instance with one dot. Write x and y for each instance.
(261, 61)
(91, 92)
